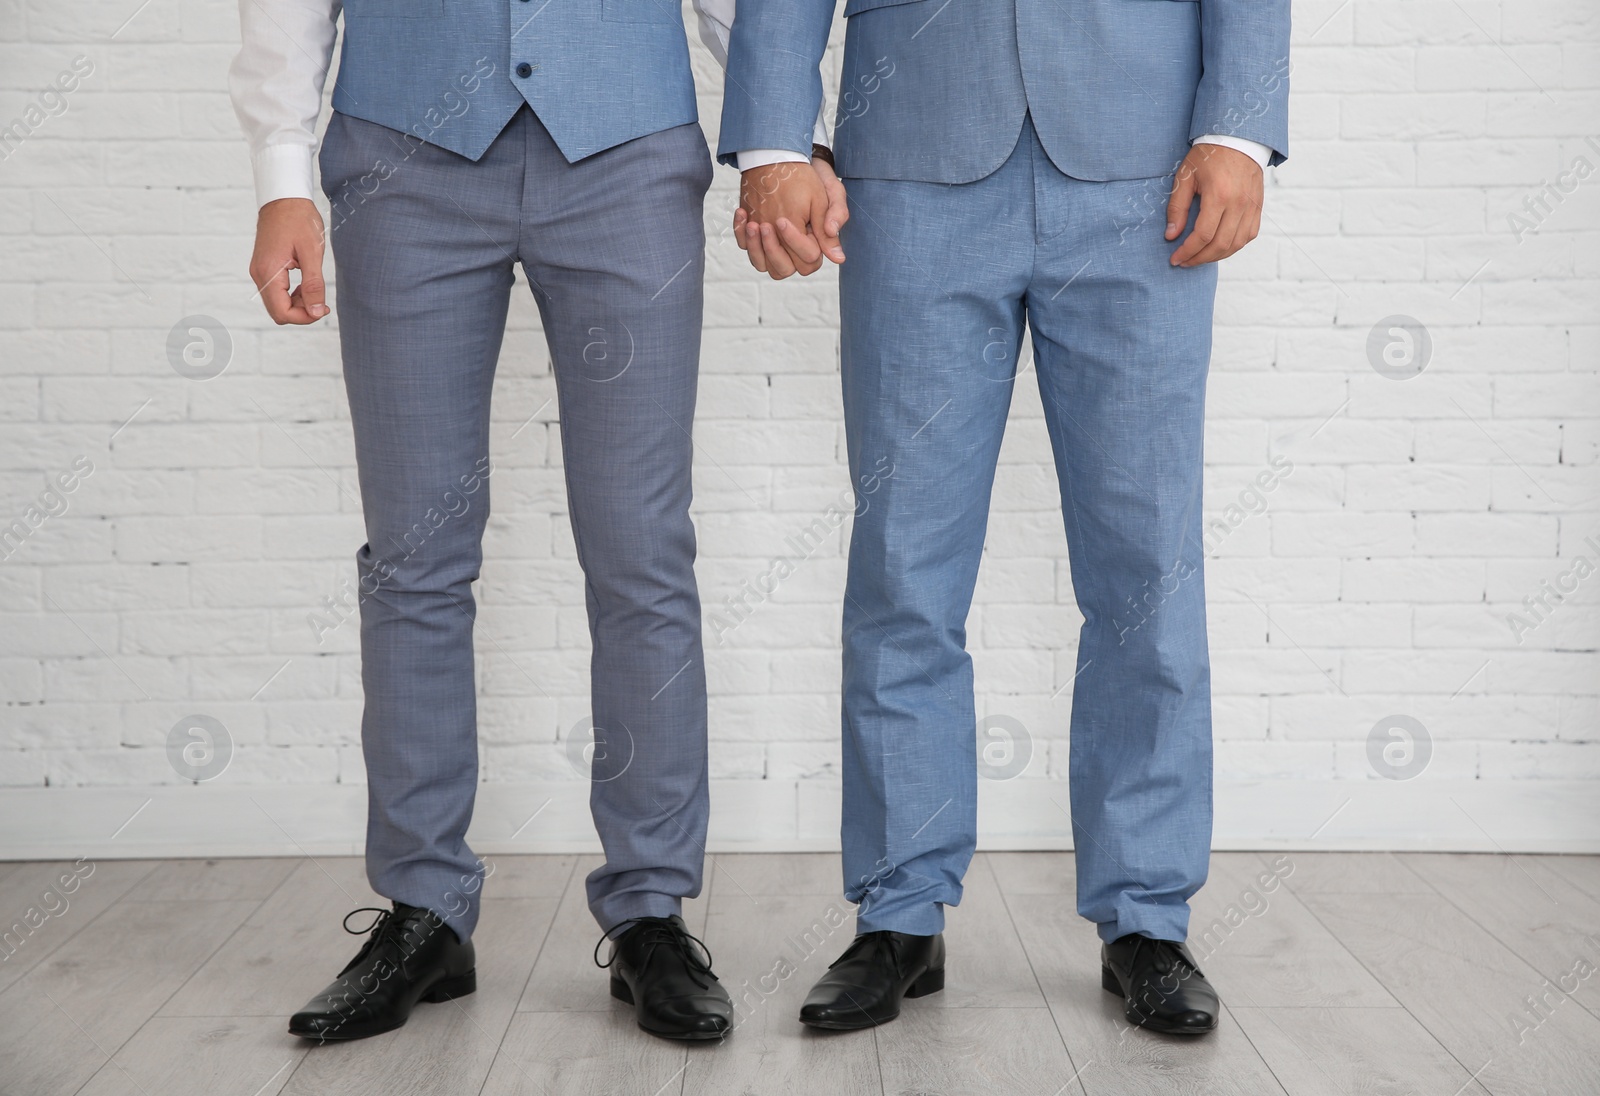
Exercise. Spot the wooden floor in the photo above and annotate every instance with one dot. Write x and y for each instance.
(1366, 973)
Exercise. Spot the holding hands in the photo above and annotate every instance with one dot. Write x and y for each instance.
(789, 217)
(790, 214)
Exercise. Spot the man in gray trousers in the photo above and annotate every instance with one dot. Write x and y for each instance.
(565, 139)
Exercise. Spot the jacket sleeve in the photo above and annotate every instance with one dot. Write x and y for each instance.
(773, 92)
(1244, 88)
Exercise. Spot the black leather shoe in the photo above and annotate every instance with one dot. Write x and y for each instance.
(1161, 987)
(656, 967)
(410, 955)
(864, 986)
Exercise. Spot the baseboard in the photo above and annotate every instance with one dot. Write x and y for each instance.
(1526, 816)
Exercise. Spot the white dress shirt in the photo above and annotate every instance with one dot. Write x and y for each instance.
(277, 78)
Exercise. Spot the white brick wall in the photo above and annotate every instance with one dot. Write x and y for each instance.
(1377, 581)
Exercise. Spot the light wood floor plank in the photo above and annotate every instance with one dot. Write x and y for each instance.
(1582, 872)
(1352, 873)
(38, 885)
(987, 966)
(200, 1056)
(212, 880)
(1469, 991)
(1339, 1051)
(974, 1052)
(1035, 873)
(529, 876)
(587, 1054)
(62, 1020)
(290, 947)
(564, 977)
(445, 1049)
(1259, 945)
(756, 874)
(1116, 1059)
(1548, 922)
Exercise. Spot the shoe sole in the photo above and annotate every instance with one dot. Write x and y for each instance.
(927, 983)
(1112, 984)
(620, 990)
(446, 989)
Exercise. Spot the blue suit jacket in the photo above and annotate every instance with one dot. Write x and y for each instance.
(936, 90)
(597, 72)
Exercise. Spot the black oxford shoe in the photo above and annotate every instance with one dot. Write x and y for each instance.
(864, 986)
(410, 955)
(656, 967)
(1160, 985)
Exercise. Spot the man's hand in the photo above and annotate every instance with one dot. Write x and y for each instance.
(289, 237)
(1229, 185)
(789, 217)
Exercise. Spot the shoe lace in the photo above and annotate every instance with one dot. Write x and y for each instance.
(659, 932)
(881, 941)
(386, 928)
(1164, 956)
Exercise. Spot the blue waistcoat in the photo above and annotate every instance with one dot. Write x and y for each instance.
(453, 72)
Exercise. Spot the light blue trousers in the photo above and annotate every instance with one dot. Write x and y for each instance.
(938, 285)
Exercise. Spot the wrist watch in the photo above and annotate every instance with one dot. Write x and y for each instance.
(823, 153)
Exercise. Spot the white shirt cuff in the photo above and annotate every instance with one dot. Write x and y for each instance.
(1257, 151)
(283, 171)
(761, 157)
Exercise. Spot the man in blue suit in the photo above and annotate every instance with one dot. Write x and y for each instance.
(468, 138)
(1077, 166)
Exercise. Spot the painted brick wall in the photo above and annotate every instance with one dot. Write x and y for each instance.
(1439, 211)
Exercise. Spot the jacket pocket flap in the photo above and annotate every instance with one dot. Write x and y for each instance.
(856, 7)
